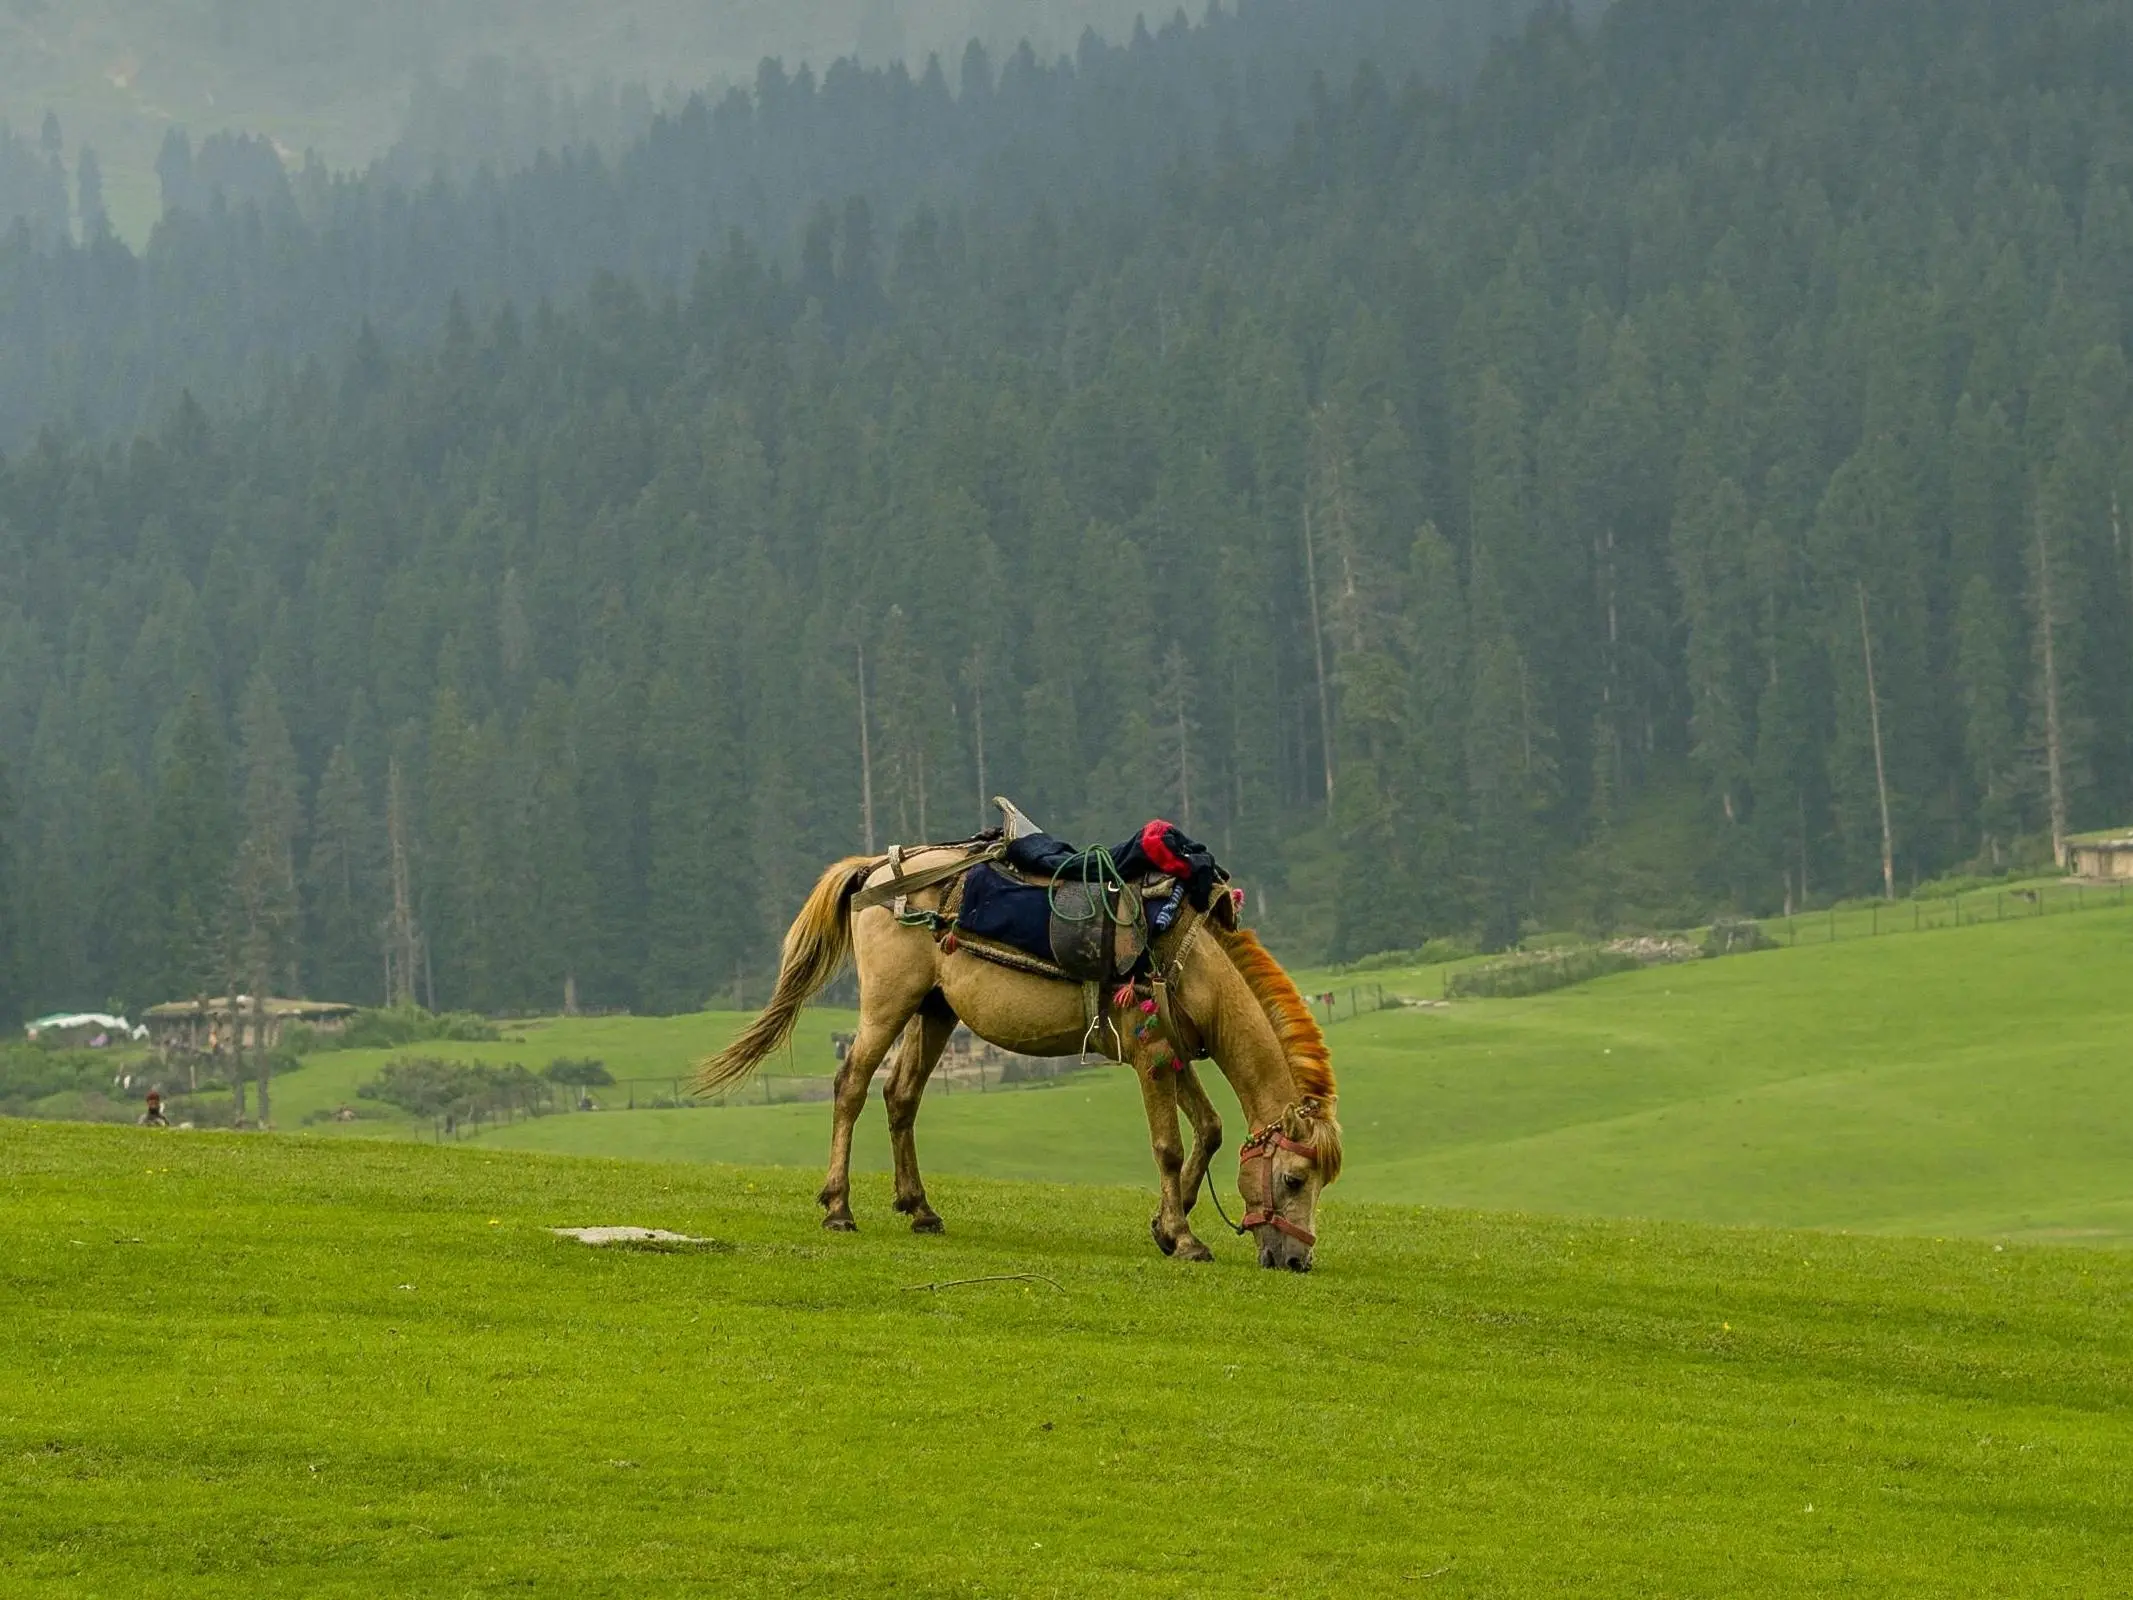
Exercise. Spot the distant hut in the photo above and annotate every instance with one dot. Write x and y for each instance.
(90, 1030)
(2108, 857)
(203, 1027)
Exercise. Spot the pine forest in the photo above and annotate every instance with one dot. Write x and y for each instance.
(1483, 469)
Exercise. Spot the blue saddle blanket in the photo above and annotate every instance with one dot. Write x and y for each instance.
(996, 907)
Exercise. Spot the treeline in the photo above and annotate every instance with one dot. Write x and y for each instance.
(256, 270)
(1718, 415)
(37, 192)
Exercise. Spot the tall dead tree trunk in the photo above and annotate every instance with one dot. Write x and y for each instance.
(977, 698)
(2054, 726)
(262, 1062)
(401, 936)
(866, 755)
(1318, 653)
(1881, 770)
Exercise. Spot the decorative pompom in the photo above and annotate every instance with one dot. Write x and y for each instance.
(1148, 1008)
(1122, 997)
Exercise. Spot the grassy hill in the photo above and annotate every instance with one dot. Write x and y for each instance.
(255, 1366)
(1975, 1080)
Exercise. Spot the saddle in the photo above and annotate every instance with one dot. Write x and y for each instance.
(1024, 899)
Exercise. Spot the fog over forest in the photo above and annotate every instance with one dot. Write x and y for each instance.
(352, 80)
(1490, 471)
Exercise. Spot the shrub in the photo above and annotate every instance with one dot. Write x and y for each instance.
(389, 1027)
(334, 1114)
(580, 1072)
(1537, 973)
(1436, 953)
(29, 1073)
(1732, 936)
(429, 1086)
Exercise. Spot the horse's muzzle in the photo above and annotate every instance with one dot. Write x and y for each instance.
(1294, 1260)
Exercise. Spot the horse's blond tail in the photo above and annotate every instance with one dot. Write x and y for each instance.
(815, 947)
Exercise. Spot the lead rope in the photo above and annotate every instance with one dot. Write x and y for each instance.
(1215, 1195)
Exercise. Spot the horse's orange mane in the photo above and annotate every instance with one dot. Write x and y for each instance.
(1285, 1007)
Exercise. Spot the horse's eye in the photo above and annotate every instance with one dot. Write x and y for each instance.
(1295, 1181)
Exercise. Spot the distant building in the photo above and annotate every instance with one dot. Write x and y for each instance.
(90, 1030)
(2101, 857)
(203, 1027)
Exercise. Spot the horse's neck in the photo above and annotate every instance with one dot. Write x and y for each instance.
(1242, 1041)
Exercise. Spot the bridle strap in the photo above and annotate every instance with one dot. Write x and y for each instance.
(1274, 1219)
(1261, 1147)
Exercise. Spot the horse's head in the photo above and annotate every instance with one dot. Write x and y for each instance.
(1281, 1171)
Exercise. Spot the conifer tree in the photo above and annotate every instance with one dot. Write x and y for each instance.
(193, 832)
(264, 899)
(346, 918)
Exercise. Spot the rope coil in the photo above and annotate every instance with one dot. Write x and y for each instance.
(1095, 872)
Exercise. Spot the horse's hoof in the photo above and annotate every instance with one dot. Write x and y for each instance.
(928, 1223)
(1193, 1250)
(1163, 1241)
(840, 1225)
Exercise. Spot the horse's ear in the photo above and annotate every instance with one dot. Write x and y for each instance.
(1228, 903)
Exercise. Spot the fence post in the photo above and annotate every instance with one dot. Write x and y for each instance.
(1874, 927)
(1832, 924)
(1914, 916)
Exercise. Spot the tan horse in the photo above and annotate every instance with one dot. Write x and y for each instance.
(1253, 1023)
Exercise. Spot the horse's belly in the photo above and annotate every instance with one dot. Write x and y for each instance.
(1017, 1011)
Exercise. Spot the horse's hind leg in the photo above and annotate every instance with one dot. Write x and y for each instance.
(876, 1036)
(921, 1053)
(1206, 1135)
(1170, 1225)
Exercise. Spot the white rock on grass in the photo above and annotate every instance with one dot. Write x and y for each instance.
(639, 1238)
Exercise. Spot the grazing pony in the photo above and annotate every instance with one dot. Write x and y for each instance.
(1226, 998)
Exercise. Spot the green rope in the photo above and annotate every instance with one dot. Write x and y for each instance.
(1097, 872)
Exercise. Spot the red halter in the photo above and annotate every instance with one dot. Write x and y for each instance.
(1261, 1147)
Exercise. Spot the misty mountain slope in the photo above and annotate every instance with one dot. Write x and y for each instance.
(1718, 416)
(221, 294)
(334, 76)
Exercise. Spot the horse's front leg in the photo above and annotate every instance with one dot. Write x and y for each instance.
(1206, 1135)
(921, 1053)
(1170, 1225)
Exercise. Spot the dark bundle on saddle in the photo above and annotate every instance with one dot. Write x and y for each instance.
(1084, 914)
(1161, 849)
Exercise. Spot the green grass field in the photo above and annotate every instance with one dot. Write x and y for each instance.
(237, 1365)
(1973, 1081)
(660, 1050)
